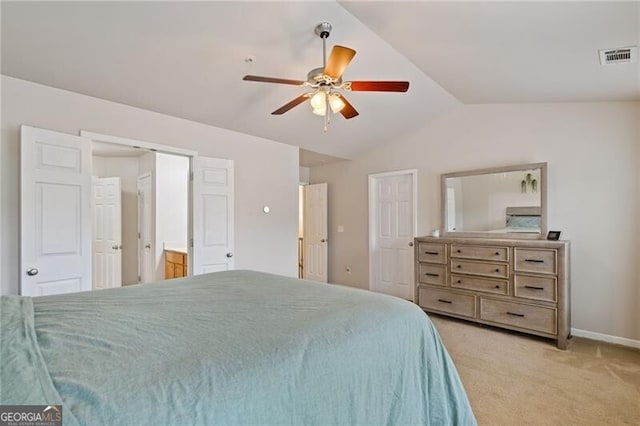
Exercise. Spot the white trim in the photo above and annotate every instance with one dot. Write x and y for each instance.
(98, 137)
(414, 174)
(606, 338)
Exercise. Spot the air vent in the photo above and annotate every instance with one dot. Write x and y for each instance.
(621, 55)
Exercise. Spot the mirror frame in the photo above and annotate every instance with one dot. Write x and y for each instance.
(504, 235)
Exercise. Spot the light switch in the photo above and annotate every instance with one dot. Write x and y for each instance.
(340, 228)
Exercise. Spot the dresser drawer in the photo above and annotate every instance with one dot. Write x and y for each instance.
(498, 270)
(536, 287)
(536, 318)
(428, 252)
(535, 260)
(480, 252)
(448, 301)
(433, 274)
(175, 257)
(480, 284)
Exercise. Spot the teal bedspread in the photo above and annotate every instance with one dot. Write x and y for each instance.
(229, 348)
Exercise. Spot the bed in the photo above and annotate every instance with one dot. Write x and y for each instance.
(229, 348)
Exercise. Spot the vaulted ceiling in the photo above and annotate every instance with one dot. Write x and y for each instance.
(187, 59)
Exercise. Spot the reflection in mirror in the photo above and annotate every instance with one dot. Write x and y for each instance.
(506, 200)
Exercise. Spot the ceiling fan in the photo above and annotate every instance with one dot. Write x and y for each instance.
(326, 83)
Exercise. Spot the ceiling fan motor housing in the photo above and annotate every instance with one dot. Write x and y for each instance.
(316, 77)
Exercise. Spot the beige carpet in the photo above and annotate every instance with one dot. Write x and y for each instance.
(515, 379)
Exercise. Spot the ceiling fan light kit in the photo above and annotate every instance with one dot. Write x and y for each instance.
(326, 82)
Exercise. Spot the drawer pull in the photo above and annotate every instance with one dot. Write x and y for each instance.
(433, 253)
(515, 315)
(459, 281)
(497, 270)
(534, 260)
(459, 266)
(446, 301)
(497, 285)
(533, 287)
(459, 251)
(429, 274)
(497, 253)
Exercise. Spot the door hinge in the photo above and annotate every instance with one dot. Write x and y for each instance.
(190, 176)
(138, 235)
(191, 242)
(139, 278)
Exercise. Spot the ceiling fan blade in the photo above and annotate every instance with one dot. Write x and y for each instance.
(348, 111)
(379, 86)
(272, 80)
(338, 61)
(297, 101)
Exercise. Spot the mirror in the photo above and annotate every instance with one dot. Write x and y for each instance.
(501, 202)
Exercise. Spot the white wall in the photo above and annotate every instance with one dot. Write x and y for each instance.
(304, 175)
(592, 155)
(172, 198)
(266, 172)
(126, 168)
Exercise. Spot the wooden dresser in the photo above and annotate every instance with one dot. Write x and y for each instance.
(521, 285)
(175, 264)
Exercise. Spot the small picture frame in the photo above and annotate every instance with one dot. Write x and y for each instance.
(553, 235)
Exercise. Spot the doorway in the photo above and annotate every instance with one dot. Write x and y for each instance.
(392, 227)
(56, 231)
(145, 228)
(313, 247)
(147, 218)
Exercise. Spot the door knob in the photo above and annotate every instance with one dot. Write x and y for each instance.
(120, 247)
(229, 254)
(115, 247)
(32, 271)
(324, 240)
(147, 246)
(411, 244)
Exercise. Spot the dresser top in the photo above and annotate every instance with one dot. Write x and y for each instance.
(481, 241)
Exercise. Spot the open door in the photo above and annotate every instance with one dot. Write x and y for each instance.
(55, 210)
(107, 233)
(315, 232)
(146, 227)
(213, 239)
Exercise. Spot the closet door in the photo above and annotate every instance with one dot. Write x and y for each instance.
(55, 206)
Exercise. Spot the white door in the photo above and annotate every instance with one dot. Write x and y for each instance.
(316, 238)
(391, 230)
(55, 206)
(107, 233)
(145, 229)
(212, 215)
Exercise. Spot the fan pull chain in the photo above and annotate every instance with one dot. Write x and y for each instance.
(327, 115)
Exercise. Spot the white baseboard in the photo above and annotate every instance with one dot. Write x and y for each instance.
(606, 338)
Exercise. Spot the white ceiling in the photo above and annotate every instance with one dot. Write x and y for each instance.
(512, 52)
(187, 59)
